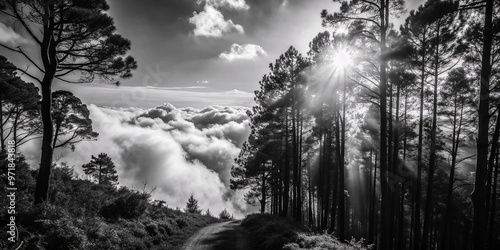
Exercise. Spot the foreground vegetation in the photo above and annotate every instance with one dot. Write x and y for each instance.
(83, 215)
(272, 232)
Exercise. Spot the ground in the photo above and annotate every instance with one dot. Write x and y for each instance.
(221, 236)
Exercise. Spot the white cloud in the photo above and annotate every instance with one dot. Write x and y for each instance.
(243, 52)
(178, 150)
(9, 36)
(232, 4)
(211, 23)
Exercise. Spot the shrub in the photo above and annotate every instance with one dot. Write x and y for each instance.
(165, 228)
(181, 222)
(62, 234)
(324, 241)
(128, 206)
(272, 231)
(152, 229)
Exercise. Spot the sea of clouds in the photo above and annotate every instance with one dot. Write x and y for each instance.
(177, 151)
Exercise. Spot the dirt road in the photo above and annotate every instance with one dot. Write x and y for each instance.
(221, 236)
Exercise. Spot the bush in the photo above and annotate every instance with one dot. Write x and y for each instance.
(128, 206)
(62, 234)
(271, 231)
(181, 222)
(324, 241)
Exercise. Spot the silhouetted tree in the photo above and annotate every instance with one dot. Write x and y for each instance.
(72, 123)
(72, 36)
(192, 206)
(102, 169)
(19, 109)
(224, 215)
(458, 107)
(371, 20)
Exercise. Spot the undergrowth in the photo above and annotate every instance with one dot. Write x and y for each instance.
(80, 214)
(271, 232)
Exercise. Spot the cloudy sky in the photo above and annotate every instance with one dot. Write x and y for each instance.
(193, 46)
(217, 44)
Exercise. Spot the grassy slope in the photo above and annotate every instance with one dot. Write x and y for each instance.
(271, 232)
(83, 215)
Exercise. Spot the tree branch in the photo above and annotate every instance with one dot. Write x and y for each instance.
(25, 25)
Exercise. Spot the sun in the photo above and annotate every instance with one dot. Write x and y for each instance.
(341, 58)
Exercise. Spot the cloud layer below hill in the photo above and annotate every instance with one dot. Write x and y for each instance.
(180, 151)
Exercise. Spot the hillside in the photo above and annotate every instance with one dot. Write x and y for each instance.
(83, 215)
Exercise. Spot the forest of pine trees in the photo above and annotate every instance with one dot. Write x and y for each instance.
(384, 133)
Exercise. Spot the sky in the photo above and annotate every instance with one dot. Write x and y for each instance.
(197, 46)
(216, 44)
(180, 121)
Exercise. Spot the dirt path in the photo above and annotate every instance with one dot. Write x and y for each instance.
(221, 236)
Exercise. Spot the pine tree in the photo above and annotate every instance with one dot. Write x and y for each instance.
(224, 215)
(192, 206)
(71, 37)
(71, 118)
(208, 213)
(102, 169)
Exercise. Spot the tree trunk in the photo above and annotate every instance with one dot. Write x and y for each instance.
(385, 211)
(398, 195)
(2, 141)
(491, 241)
(416, 230)
(263, 194)
(42, 183)
(390, 165)
(333, 179)
(340, 151)
(299, 169)
(401, 224)
(50, 63)
(491, 161)
(454, 152)
(286, 179)
(14, 126)
(309, 199)
(478, 195)
(432, 160)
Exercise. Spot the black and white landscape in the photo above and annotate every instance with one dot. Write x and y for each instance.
(245, 124)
